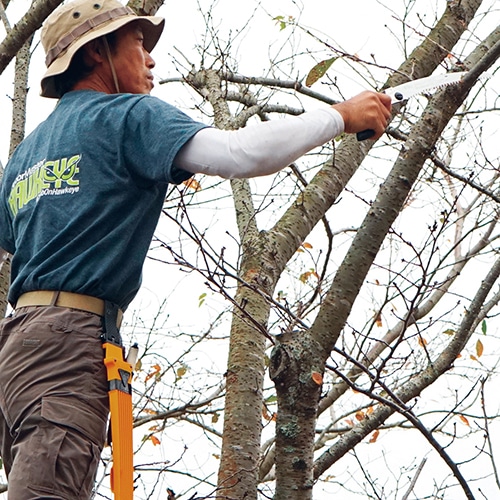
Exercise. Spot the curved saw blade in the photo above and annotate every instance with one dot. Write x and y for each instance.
(422, 85)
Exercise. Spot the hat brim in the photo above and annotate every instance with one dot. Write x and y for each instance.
(152, 28)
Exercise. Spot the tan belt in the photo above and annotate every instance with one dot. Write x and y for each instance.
(65, 299)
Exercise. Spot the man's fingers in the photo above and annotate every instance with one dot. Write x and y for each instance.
(366, 111)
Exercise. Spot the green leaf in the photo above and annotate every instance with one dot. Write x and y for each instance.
(319, 70)
(281, 21)
(201, 299)
(181, 371)
(484, 327)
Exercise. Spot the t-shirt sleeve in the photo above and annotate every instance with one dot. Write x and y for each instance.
(6, 237)
(154, 132)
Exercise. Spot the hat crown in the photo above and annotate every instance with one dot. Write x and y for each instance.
(77, 18)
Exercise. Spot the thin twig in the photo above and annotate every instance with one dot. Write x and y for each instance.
(414, 479)
(396, 404)
(487, 435)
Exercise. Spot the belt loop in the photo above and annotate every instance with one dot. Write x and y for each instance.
(55, 296)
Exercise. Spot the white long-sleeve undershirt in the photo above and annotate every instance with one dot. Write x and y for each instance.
(259, 149)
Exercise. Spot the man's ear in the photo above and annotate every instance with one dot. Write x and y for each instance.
(94, 52)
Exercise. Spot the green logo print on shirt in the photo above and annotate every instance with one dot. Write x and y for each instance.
(46, 178)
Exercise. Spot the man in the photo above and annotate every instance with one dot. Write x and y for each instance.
(79, 202)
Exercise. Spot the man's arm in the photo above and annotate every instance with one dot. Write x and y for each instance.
(268, 147)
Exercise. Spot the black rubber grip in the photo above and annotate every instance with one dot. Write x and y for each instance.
(365, 134)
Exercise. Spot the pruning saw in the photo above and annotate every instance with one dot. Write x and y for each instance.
(403, 92)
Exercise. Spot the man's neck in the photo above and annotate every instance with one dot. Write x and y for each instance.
(96, 82)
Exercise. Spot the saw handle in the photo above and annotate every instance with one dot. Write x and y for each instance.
(368, 133)
(365, 134)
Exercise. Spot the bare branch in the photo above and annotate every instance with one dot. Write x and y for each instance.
(21, 32)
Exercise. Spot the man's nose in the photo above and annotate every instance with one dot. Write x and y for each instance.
(150, 62)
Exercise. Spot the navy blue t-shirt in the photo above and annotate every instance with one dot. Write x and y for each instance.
(81, 196)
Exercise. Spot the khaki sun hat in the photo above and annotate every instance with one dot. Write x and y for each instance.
(71, 26)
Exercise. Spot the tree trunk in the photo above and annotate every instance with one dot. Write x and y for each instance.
(296, 369)
(239, 468)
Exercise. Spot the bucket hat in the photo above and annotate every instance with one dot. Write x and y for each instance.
(78, 22)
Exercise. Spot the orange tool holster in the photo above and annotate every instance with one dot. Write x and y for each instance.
(119, 372)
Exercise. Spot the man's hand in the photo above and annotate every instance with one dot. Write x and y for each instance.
(368, 110)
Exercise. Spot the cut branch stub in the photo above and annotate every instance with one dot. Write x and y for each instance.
(280, 361)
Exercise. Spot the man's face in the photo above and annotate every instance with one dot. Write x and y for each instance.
(132, 62)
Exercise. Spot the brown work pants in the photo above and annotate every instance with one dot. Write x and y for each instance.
(53, 402)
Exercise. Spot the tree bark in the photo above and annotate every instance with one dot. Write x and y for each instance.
(297, 374)
(238, 471)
